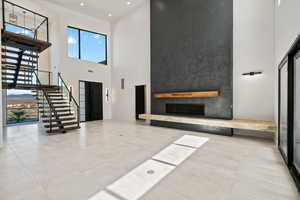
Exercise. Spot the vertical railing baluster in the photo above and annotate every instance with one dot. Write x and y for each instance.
(44, 113)
(50, 117)
(78, 116)
(49, 76)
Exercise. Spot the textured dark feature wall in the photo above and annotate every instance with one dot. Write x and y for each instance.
(191, 50)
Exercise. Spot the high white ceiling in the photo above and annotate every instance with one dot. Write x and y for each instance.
(100, 8)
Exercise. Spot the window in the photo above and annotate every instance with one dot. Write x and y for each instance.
(19, 30)
(87, 45)
(21, 107)
(73, 43)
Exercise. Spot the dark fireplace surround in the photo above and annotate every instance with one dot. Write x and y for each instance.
(191, 53)
(181, 109)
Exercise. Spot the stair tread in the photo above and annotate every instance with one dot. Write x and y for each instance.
(12, 63)
(56, 107)
(59, 102)
(58, 120)
(55, 95)
(16, 58)
(12, 78)
(63, 129)
(60, 124)
(26, 86)
(58, 115)
(16, 52)
(58, 111)
(22, 69)
(12, 74)
(53, 92)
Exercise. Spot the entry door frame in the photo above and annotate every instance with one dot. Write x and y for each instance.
(85, 81)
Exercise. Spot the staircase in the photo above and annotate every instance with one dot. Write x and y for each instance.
(17, 67)
(58, 112)
(58, 109)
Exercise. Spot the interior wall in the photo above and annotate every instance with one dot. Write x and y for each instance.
(253, 50)
(72, 70)
(131, 61)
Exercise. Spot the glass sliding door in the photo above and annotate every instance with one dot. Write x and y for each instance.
(289, 110)
(296, 131)
(283, 107)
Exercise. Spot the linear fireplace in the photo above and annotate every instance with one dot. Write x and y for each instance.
(185, 109)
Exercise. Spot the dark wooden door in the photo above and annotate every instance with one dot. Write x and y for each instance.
(140, 99)
(93, 101)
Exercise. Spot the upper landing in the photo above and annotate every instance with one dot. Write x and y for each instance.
(23, 28)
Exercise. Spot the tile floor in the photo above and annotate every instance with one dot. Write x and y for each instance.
(79, 164)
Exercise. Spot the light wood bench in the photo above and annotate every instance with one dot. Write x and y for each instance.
(255, 125)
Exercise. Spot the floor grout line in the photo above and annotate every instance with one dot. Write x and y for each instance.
(114, 194)
(163, 162)
(186, 146)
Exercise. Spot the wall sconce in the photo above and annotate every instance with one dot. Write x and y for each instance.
(252, 73)
(107, 95)
(122, 83)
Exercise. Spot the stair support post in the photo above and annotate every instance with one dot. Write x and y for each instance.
(78, 116)
(19, 61)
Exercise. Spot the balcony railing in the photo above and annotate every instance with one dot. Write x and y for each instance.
(23, 21)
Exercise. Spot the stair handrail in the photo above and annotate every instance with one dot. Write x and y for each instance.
(71, 98)
(47, 99)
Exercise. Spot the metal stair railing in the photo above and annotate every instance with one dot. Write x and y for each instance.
(46, 101)
(68, 92)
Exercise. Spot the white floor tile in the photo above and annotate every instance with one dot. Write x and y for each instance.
(192, 141)
(103, 196)
(174, 154)
(140, 180)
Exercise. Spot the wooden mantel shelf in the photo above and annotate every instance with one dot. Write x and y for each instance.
(255, 125)
(187, 94)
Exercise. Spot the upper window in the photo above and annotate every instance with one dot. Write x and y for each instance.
(87, 45)
(19, 30)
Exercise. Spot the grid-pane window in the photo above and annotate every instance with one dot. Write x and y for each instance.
(86, 45)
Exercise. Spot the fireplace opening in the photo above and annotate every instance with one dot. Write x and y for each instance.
(185, 109)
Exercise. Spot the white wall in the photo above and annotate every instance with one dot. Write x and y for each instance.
(253, 50)
(287, 26)
(73, 70)
(131, 61)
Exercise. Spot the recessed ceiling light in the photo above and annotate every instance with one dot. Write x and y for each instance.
(81, 4)
(128, 3)
(109, 14)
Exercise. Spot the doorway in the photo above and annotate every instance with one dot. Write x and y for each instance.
(90, 100)
(140, 100)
